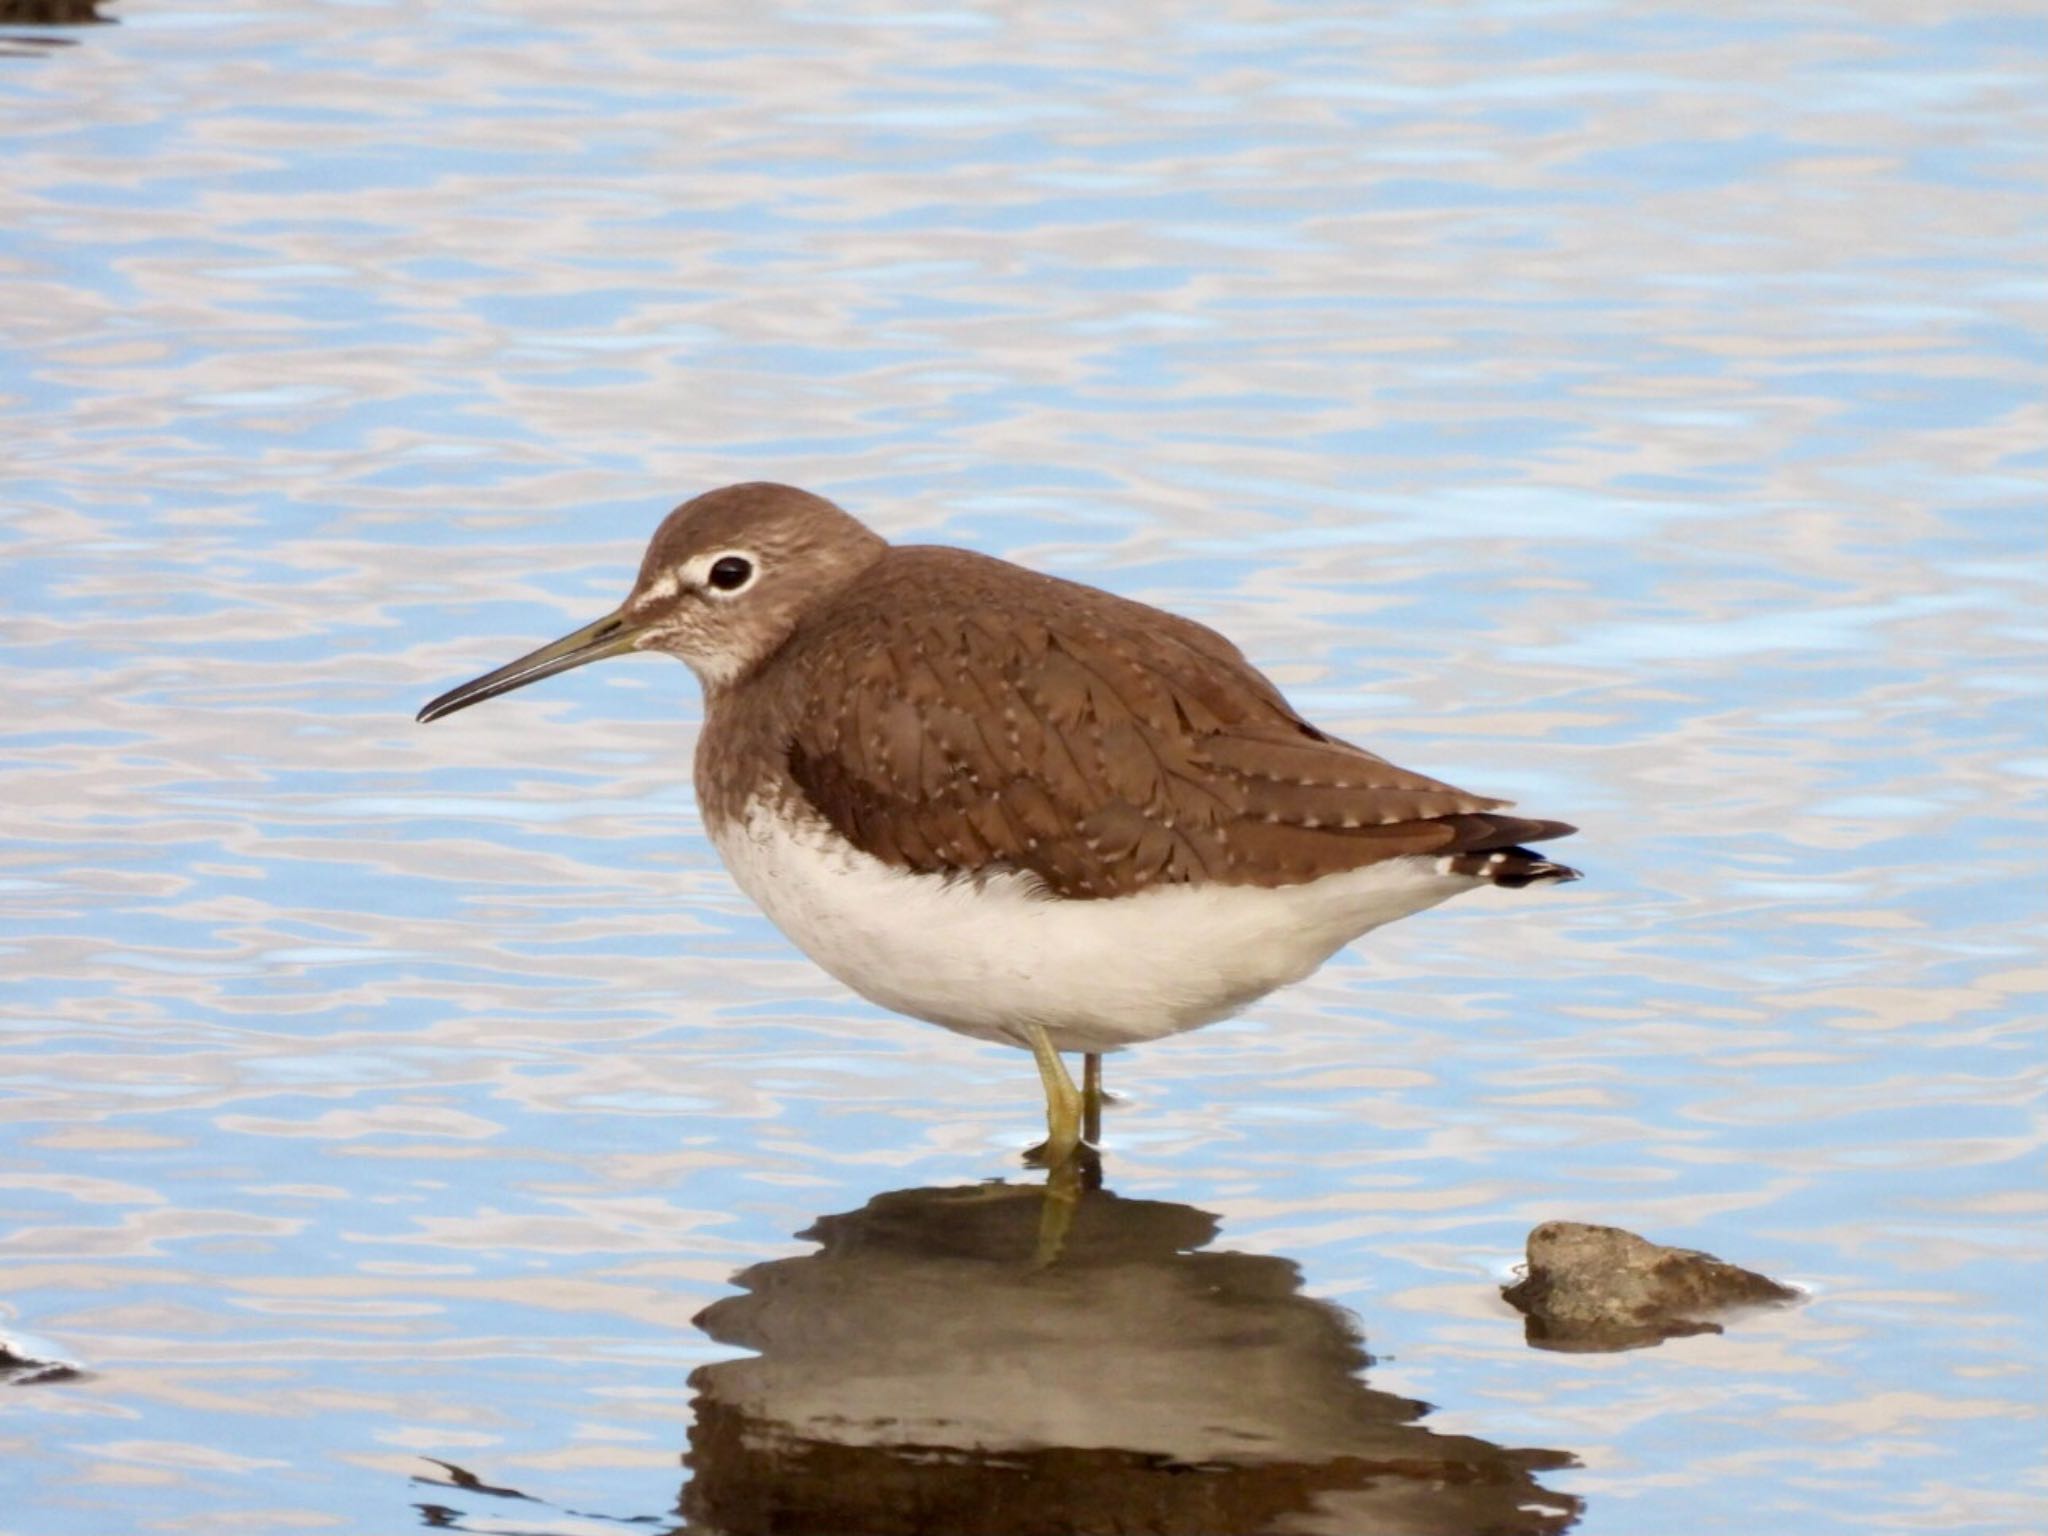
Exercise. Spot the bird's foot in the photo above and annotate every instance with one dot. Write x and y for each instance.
(1065, 1183)
(1065, 1104)
(1084, 1156)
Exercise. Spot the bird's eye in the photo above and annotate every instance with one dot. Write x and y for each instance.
(729, 573)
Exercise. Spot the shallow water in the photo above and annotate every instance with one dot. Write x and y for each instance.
(1635, 413)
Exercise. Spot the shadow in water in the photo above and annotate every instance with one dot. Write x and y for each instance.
(929, 1370)
(922, 1372)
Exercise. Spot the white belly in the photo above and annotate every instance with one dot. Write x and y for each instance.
(990, 958)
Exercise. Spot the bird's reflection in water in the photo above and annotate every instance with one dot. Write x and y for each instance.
(927, 1370)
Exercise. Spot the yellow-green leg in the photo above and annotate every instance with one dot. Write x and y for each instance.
(1091, 1098)
(1063, 1103)
(1063, 1184)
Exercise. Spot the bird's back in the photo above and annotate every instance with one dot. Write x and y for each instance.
(954, 714)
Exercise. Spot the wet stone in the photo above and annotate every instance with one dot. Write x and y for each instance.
(1591, 1288)
(18, 1370)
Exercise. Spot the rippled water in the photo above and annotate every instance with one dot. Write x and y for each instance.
(1634, 411)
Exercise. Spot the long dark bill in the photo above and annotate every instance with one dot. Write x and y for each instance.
(609, 636)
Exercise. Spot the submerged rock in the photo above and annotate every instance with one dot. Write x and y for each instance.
(25, 1371)
(1600, 1288)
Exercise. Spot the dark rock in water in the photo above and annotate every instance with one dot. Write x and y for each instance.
(53, 13)
(1600, 1288)
(23, 1371)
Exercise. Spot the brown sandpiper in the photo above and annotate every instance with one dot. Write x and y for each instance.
(1025, 809)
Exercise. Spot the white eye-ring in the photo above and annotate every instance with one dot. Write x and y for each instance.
(729, 574)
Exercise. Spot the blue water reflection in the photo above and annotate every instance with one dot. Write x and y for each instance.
(1635, 412)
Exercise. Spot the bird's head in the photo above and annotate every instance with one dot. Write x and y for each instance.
(725, 580)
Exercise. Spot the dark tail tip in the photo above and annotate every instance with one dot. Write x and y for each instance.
(1536, 871)
(1511, 868)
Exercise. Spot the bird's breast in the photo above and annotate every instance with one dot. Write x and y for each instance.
(990, 955)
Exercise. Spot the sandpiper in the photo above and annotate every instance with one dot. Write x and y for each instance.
(1025, 809)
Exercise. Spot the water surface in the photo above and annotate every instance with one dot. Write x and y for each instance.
(1634, 412)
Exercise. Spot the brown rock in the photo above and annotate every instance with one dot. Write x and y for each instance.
(18, 1370)
(1593, 1288)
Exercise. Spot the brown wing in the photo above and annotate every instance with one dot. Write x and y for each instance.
(1104, 746)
